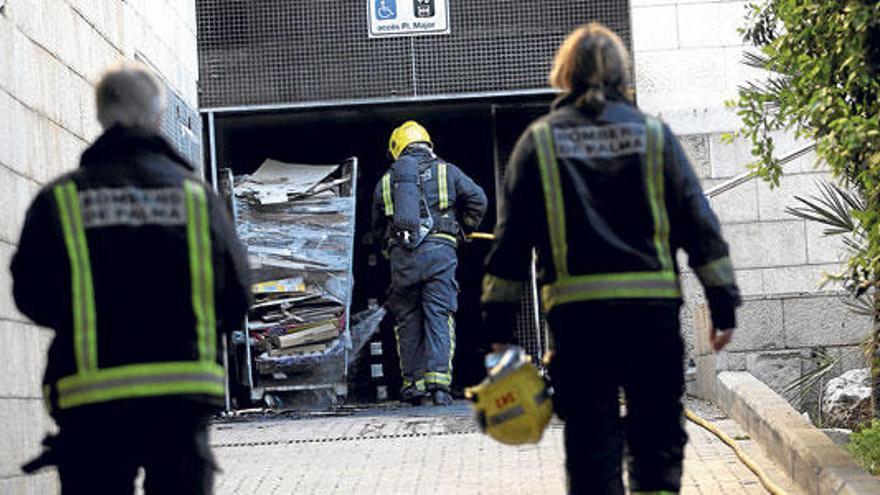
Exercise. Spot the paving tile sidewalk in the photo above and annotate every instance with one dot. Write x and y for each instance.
(431, 451)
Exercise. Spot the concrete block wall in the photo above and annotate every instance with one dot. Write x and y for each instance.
(687, 63)
(51, 54)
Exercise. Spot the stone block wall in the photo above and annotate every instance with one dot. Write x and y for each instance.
(687, 63)
(51, 54)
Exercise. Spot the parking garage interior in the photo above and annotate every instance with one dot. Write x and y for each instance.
(477, 135)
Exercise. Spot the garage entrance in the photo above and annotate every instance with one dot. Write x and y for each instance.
(477, 135)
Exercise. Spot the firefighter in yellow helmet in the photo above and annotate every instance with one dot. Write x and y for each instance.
(422, 207)
(606, 196)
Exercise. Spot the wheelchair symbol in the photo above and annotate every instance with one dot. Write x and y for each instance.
(386, 9)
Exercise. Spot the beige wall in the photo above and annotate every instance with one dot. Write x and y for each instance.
(688, 62)
(51, 53)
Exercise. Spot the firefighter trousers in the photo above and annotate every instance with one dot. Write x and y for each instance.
(101, 448)
(423, 298)
(601, 350)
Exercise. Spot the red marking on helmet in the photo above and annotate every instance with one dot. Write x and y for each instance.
(505, 400)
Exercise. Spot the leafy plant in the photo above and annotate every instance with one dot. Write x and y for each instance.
(823, 87)
(799, 389)
(864, 445)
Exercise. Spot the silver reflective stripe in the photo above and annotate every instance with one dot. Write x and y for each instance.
(717, 273)
(450, 323)
(541, 397)
(130, 381)
(603, 286)
(637, 285)
(141, 380)
(512, 413)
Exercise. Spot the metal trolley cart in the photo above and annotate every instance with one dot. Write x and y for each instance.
(298, 224)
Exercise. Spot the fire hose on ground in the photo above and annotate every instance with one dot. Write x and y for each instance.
(749, 463)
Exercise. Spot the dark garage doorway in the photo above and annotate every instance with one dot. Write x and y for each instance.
(477, 135)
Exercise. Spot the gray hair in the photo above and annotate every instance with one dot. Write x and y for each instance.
(130, 96)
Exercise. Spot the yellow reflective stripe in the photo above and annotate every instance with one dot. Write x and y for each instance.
(82, 288)
(438, 378)
(141, 380)
(502, 290)
(656, 191)
(552, 186)
(207, 259)
(419, 384)
(716, 273)
(630, 285)
(195, 269)
(201, 269)
(386, 195)
(91, 329)
(448, 237)
(442, 186)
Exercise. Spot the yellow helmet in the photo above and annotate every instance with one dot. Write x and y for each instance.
(513, 404)
(408, 133)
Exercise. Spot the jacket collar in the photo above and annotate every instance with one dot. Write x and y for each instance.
(562, 100)
(423, 154)
(123, 140)
(568, 99)
(420, 152)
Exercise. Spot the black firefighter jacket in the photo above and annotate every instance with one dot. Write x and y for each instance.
(624, 218)
(134, 262)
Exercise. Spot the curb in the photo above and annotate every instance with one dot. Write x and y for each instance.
(803, 452)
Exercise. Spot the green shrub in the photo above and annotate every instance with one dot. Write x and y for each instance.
(864, 445)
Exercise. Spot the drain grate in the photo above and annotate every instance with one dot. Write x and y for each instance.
(296, 441)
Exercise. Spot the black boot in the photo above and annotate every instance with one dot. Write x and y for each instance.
(412, 395)
(442, 398)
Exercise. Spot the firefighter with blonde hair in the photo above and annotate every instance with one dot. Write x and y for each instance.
(606, 197)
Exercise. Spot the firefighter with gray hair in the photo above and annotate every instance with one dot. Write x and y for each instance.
(134, 263)
(605, 195)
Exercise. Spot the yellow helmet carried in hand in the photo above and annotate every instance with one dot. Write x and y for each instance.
(408, 133)
(513, 403)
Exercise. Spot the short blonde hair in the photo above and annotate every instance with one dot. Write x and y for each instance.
(590, 62)
(130, 95)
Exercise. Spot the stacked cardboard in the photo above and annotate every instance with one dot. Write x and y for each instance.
(287, 319)
(297, 223)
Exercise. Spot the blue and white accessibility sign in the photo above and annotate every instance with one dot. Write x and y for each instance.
(386, 10)
(407, 17)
